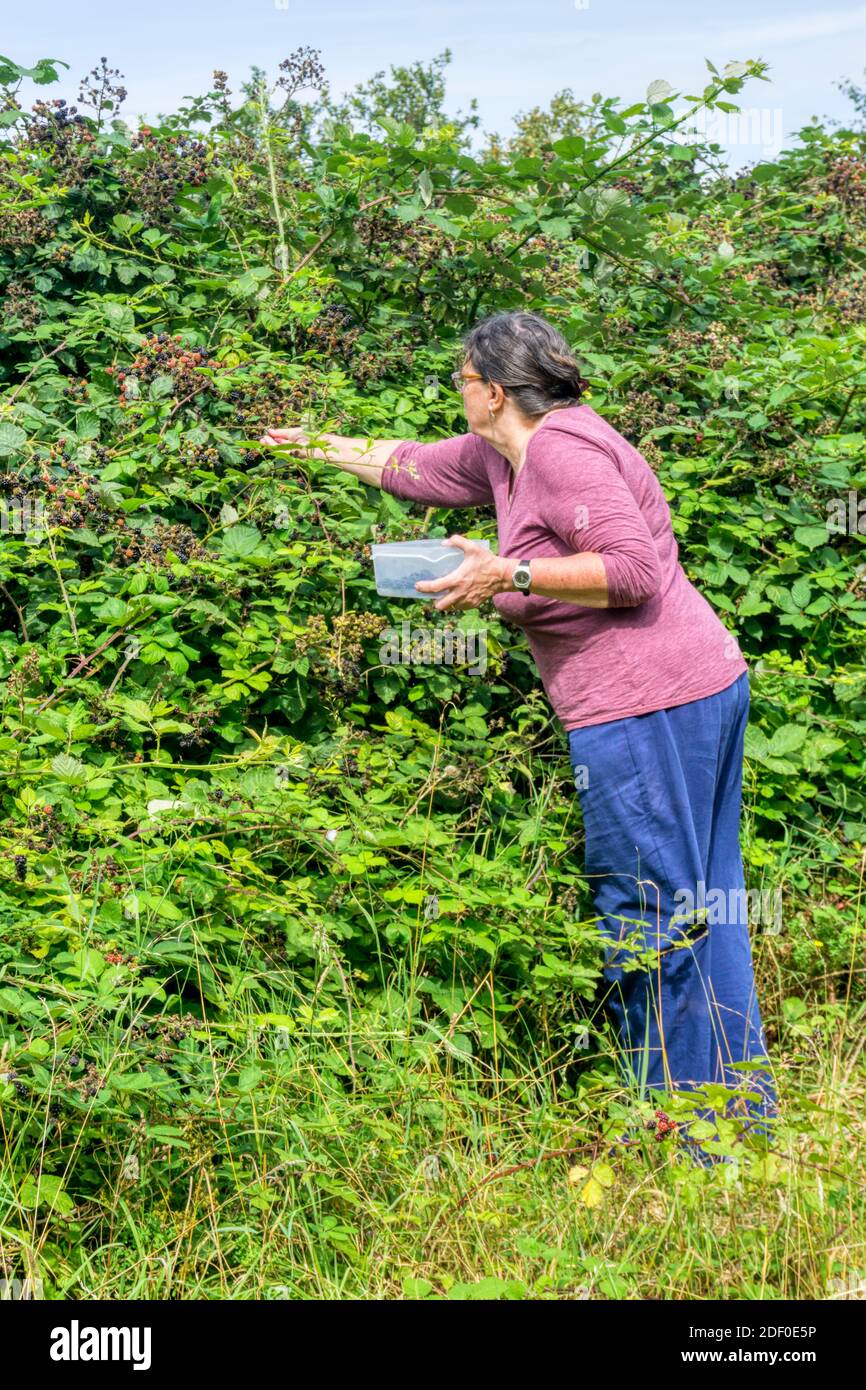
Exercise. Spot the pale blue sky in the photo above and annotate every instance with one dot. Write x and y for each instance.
(509, 55)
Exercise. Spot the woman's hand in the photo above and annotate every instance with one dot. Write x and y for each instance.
(481, 575)
(364, 457)
(277, 437)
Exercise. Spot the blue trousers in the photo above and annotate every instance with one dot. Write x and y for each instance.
(660, 795)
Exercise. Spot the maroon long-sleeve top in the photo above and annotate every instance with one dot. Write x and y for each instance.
(583, 487)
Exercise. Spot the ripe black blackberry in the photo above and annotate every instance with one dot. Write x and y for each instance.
(20, 867)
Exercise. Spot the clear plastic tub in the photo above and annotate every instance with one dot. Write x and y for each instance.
(399, 565)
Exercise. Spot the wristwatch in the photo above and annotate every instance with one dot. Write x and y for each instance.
(522, 577)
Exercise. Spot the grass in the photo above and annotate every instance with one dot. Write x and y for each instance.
(427, 1174)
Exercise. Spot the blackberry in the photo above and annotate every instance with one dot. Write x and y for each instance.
(406, 584)
(20, 867)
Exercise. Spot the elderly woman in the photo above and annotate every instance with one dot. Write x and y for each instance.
(650, 687)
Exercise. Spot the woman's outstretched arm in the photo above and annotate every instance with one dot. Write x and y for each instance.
(447, 472)
(363, 457)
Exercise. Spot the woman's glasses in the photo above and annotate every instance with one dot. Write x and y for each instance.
(459, 380)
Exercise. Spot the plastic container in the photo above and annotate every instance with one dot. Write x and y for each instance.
(399, 565)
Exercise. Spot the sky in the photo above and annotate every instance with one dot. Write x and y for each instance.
(511, 56)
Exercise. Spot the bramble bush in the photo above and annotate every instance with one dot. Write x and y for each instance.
(237, 843)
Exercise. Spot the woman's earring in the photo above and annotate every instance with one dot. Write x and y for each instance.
(492, 413)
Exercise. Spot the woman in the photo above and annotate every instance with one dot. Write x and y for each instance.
(650, 687)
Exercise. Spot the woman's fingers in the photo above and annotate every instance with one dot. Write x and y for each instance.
(293, 435)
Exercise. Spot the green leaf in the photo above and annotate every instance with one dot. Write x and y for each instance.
(45, 1191)
(136, 1081)
(558, 227)
(119, 317)
(69, 769)
(658, 92)
(162, 386)
(241, 541)
(87, 964)
(787, 739)
(811, 536)
(12, 439)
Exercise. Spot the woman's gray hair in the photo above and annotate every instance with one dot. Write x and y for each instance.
(529, 358)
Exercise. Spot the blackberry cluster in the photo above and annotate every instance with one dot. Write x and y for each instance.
(643, 411)
(204, 456)
(716, 339)
(89, 1084)
(20, 1086)
(365, 367)
(98, 90)
(769, 273)
(303, 68)
(119, 958)
(107, 873)
(663, 1125)
(75, 501)
(222, 91)
(268, 401)
(76, 390)
(333, 331)
(27, 674)
(360, 553)
(20, 862)
(199, 1141)
(43, 827)
(161, 1036)
(570, 898)
(166, 165)
(157, 547)
(21, 228)
(846, 178)
(161, 355)
(560, 269)
(109, 733)
(421, 246)
(65, 137)
(202, 724)
(335, 655)
(653, 454)
(844, 295)
(20, 308)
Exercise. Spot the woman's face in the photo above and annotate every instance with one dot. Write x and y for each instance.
(478, 397)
